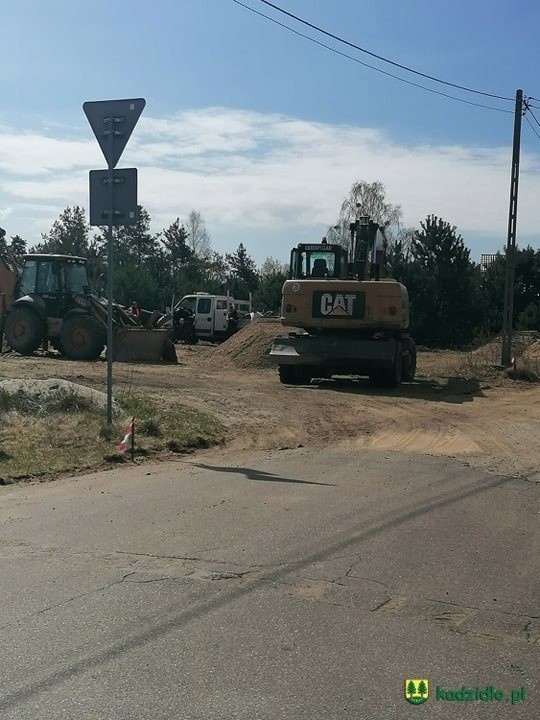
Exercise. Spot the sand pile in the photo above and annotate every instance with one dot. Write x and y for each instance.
(39, 396)
(249, 347)
(533, 351)
(522, 343)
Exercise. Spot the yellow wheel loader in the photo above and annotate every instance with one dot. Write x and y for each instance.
(49, 301)
(351, 321)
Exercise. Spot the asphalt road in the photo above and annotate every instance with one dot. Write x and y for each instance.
(294, 584)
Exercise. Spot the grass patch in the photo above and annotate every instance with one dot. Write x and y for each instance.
(64, 433)
(61, 401)
(171, 427)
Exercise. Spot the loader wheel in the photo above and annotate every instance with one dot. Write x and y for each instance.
(409, 363)
(24, 330)
(82, 338)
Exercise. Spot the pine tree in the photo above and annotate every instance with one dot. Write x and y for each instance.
(411, 688)
(177, 250)
(243, 271)
(18, 246)
(68, 234)
(3, 244)
(443, 285)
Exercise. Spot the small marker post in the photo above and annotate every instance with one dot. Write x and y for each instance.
(132, 439)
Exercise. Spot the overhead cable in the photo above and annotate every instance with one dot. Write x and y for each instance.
(381, 57)
(535, 131)
(371, 67)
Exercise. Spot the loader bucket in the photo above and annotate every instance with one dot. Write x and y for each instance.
(137, 344)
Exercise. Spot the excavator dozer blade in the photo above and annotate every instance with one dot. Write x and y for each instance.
(136, 344)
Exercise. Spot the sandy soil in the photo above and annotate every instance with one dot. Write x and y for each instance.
(492, 424)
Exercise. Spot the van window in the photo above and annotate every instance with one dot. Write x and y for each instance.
(188, 303)
(204, 305)
(221, 305)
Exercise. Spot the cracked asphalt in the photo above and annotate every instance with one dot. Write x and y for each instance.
(266, 585)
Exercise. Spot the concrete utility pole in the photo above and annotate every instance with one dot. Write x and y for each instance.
(508, 312)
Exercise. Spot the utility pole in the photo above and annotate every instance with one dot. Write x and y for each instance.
(508, 312)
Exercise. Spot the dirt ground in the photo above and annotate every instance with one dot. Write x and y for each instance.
(457, 406)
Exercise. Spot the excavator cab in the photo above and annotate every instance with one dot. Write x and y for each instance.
(315, 262)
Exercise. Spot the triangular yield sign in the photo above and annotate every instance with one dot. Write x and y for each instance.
(112, 122)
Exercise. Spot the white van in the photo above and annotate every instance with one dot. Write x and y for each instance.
(211, 313)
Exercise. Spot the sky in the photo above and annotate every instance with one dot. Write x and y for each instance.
(264, 132)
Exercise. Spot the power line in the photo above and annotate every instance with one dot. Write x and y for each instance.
(381, 57)
(535, 131)
(532, 114)
(372, 67)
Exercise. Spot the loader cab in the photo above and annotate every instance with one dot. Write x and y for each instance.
(320, 261)
(53, 275)
(52, 280)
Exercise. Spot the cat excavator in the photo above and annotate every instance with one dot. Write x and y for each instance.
(349, 319)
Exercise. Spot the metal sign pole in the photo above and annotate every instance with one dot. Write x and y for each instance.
(110, 284)
(112, 122)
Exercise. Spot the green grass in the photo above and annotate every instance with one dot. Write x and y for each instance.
(172, 426)
(68, 434)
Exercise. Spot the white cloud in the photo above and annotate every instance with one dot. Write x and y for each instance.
(249, 171)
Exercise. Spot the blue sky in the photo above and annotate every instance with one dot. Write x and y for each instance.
(265, 132)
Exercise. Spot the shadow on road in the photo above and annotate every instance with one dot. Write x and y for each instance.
(252, 474)
(178, 619)
(450, 390)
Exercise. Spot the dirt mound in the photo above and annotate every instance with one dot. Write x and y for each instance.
(522, 343)
(533, 351)
(41, 396)
(249, 347)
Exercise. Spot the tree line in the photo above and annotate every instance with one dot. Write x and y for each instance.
(453, 300)
(152, 268)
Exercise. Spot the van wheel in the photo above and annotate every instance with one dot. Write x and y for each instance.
(169, 353)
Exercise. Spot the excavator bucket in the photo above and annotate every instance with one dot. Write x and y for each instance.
(137, 344)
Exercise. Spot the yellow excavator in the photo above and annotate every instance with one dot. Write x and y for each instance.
(48, 300)
(350, 320)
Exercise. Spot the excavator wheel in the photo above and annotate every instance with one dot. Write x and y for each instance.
(294, 374)
(24, 330)
(409, 362)
(389, 377)
(82, 338)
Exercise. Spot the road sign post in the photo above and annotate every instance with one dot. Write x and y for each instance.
(112, 122)
(110, 341)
